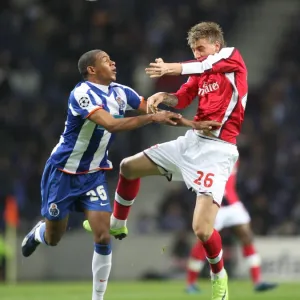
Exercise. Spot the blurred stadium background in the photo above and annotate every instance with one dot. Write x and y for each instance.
(40, 43)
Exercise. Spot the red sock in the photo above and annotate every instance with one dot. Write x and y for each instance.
(253, 261)
(195, 263)
(126, 192)
(214, 253)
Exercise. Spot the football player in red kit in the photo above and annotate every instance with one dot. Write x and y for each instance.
(231, 214)
(202, 159)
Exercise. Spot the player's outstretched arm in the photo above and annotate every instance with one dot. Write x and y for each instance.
(199, 125)
(225, 61)
(160, 68)
(183, 122)
(103, 118)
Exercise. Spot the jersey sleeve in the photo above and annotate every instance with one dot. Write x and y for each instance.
(133, 99)
(226, 61)
(83, 104)
(187, 92)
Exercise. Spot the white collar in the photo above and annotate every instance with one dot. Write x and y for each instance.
(101, 87)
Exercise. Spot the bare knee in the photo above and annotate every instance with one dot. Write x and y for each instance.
(102, 238)
(52, 238)
(203, 233)
(126, 168)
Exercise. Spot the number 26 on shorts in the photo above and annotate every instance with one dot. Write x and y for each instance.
(206, 180)
(99, 192)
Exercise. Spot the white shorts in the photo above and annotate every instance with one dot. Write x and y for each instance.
(231, 215)
(203, 163)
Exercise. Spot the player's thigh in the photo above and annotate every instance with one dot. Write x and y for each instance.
(96, 204)
(206, 166)
(204, 216)
(55, 229)
(137, 166)
(160, 159)
(56, 202)
(167, 158)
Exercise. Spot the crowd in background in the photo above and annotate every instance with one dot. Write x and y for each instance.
(40, 43)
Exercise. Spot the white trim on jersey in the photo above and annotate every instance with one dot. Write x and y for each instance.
(244, 101)
(232, 103)
(61, 140)
(100, 152)
(74, 113)
(80, 147)
(207, 64)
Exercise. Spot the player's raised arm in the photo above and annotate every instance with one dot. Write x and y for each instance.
(225, 61)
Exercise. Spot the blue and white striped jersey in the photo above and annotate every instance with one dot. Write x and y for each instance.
(83, 146)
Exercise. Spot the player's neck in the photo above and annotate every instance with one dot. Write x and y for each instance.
(97, 81)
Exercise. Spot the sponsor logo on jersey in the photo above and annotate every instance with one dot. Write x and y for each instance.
(208, 88)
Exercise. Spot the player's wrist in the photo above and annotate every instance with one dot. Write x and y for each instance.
(151, 117)
(174, 68)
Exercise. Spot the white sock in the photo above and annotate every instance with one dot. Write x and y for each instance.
(101, 268)
(116, 223)
(195, 265)
(218, 275)
(39, 234)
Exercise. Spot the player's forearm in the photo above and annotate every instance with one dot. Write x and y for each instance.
(129, 123)
(173, 68)
(169, 99)
(183, 122)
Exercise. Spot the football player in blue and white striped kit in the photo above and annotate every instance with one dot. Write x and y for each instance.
(74, 175)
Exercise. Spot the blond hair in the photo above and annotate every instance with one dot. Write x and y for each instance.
(206, 30)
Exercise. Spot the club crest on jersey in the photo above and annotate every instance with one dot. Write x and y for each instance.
(207, 88)
(53, 210)
(121, 103)
(84, 102)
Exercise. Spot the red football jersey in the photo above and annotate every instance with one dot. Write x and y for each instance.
(220, 82)
(230, 194)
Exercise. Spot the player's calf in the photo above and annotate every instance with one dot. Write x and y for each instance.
(54, 231)
(44, 232)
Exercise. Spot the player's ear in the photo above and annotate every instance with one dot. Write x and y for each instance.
(218, 46)
(91, 70)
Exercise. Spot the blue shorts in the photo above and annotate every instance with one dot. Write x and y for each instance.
(62, 193)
